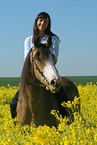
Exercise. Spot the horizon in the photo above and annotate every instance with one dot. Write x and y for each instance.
(61, 76)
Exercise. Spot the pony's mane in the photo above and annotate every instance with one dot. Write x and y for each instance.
(26, 69)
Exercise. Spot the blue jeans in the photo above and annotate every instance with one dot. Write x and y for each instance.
(13, 105)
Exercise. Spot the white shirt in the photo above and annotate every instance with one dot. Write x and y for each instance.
(54, 48)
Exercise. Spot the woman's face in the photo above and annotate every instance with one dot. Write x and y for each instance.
(42, 24)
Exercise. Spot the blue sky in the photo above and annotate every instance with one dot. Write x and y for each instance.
(74, 21)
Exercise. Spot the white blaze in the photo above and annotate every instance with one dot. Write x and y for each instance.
(50, 71)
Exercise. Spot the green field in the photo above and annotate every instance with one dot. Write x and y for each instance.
(83, 79)
(14, 81)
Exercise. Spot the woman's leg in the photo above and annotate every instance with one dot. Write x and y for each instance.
(13, 105)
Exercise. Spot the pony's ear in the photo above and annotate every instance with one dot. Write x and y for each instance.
(36, 43)
(49, 42)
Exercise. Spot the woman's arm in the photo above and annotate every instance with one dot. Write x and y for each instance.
(55, 48)
(27, 46)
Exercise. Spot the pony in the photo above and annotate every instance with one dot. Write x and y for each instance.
(42, 89)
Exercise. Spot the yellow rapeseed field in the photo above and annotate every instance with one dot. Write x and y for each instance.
(83, 131)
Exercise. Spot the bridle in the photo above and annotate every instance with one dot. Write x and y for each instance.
(46, 83)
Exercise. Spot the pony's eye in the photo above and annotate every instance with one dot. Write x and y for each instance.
(38, 55)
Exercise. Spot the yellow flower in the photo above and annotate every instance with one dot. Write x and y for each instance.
(8, 85)
(83, 130)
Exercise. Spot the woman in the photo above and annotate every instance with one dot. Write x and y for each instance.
(42, 26)
(42, 30)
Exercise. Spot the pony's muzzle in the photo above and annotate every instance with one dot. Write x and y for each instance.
(55, 84)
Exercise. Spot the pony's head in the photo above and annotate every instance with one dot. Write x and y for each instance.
(43, 65)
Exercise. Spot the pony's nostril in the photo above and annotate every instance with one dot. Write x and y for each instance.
(53, 82)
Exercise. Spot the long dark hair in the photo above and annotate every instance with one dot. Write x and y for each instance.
(42, 15)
